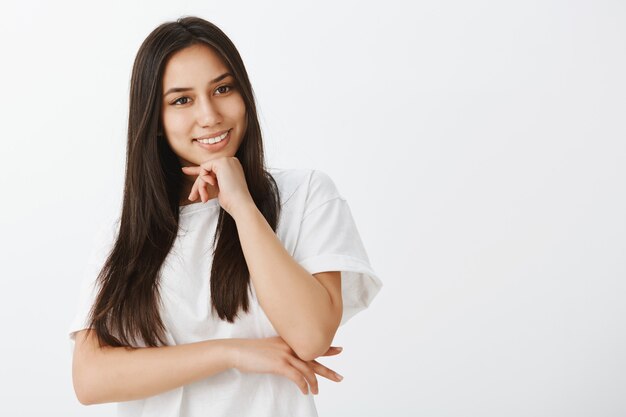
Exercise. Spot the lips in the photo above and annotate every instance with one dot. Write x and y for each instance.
(212, 135)
(214, 147)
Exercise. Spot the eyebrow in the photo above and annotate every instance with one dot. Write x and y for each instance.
(180, 89)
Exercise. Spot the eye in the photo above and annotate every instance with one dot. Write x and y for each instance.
(178, 99)
(219, 89)
(228, 87)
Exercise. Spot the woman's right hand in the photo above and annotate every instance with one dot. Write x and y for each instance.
(274, 355)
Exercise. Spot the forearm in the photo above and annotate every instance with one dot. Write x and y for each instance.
(114, 374)
(297, 304)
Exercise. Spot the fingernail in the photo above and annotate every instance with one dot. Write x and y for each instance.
(339, 349)
(338, 376)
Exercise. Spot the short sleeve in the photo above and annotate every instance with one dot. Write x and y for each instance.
(101, 247)
(328, 240)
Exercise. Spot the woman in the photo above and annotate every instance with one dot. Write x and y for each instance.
(218, 307)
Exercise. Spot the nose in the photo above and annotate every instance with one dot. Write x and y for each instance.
(208, 113)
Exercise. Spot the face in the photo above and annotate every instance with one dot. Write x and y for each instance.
(201, 100)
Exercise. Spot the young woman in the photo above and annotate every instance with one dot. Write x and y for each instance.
(217, 307)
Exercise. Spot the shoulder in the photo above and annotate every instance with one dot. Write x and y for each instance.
(313, 185)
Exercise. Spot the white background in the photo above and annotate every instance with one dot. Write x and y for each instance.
(480, 145)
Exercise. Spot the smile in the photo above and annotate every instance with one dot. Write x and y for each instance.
(215, 144)
(215, 139)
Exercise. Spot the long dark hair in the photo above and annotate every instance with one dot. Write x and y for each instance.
(126, 308)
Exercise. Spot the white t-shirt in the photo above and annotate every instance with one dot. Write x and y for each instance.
(317, 229)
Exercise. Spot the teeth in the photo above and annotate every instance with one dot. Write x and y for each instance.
(213, 140)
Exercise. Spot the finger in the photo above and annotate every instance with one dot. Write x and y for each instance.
(207, 175)
(292, 373)
(209, 179)
(307, 372)
(333, 350)
(208, 165)
(196, 189)
(324, 371)
(193, 195)
(191, 170)
(204, 195)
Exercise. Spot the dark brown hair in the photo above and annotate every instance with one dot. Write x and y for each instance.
(126, 308)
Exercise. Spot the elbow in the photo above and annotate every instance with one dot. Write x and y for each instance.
(309, 354)
(314, 347)
(87, 375)
(88, 391)
(83, 400)
(317, 340)
(83, 394)
(83, 388)
(303, 354)
(88, 386)
(84, 382)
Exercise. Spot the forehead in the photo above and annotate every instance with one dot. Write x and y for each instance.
(191, 66)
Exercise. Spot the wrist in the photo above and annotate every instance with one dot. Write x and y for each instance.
(232, 353)
(245, 211)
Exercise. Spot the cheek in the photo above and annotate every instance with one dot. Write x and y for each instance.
(243, 117)
(242, 108)
(245, 122)
(237, 108)
(174, 123)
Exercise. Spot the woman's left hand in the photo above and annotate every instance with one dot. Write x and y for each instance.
(227, 176)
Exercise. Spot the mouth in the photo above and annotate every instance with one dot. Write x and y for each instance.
(214, 143)
(213, 139)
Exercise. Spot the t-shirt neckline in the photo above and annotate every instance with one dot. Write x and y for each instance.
(193, 207)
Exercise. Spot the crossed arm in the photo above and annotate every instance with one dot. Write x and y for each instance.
(304, 309)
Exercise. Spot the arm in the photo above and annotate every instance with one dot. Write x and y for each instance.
(305, 310)
(114, 374)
